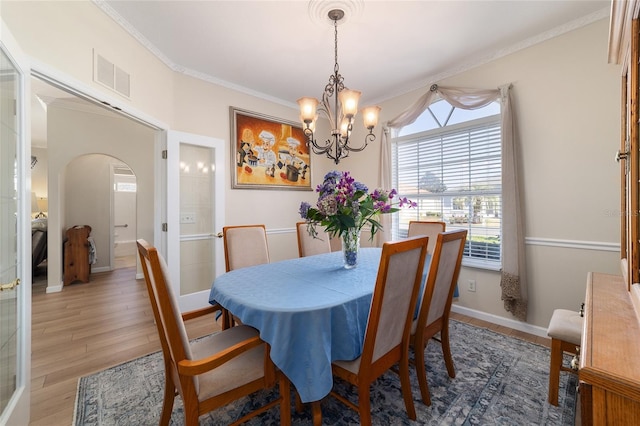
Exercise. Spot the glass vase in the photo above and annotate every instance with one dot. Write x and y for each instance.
(350, 247)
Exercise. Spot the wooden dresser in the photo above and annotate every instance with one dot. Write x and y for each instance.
(609, 371)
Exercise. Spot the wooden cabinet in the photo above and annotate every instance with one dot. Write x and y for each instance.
(610, 352)
(624, 49)
(77, 266)
(609, 356)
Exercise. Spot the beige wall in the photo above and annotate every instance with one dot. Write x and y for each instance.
(39, 172)
(566, 104)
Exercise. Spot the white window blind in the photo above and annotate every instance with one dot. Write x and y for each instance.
(454, 173)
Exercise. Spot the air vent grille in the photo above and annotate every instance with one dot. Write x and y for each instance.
(111, 76)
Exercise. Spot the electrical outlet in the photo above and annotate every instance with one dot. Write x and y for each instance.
(472, 285)
(187, 218)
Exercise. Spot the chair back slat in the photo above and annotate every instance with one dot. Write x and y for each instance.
(394, 297)
(430, 229)
(442, 278)
(308, 245)
(245, 245)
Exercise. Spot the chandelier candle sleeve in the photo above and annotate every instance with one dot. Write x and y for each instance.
(308, 110)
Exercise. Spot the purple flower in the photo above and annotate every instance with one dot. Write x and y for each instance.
(361, 187)
(408, 202)
(304, 209)
(343, 202)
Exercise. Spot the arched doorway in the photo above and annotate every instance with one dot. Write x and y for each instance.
(101, 191)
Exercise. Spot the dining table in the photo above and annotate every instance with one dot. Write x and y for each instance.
(310, 310)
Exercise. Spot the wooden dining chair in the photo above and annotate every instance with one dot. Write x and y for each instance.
(245, 245)
(435, 306)
(215, 370)
(386, 340)
(308, 245)
(430, 229)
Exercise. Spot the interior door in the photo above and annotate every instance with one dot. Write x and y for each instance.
(15, 259)
(195, 215)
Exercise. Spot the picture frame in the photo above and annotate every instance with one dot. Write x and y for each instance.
(268, 153)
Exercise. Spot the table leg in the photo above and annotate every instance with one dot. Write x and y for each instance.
(226, 323)
(317, 413)
(299, 407)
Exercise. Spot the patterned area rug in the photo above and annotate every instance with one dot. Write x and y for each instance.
(499, 381)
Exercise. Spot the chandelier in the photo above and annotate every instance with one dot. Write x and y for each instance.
(341, 116)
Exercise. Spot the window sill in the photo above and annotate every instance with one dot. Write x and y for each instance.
(481, 264)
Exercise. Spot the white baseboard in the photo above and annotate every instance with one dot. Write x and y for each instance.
(495, 319)
(54, 288)
(139, 276)
(101, 269)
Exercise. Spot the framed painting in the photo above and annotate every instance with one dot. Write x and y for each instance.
(268, 153)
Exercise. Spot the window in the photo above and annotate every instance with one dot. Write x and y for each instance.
(126, 187)
(449, 161)
(124, 179)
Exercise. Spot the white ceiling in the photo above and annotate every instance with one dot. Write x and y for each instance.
(283, 50)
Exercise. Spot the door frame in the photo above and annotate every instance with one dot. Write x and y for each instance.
(83, 91)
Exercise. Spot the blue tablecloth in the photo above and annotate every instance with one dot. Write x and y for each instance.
(310, 310)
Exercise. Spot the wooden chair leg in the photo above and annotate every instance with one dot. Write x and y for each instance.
(421, 371)
(285, 402)
(364, 405)
(169, 397)
(554, 370)
(405, 383)
(446, 351)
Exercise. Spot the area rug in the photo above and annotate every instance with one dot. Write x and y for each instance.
(499, 381)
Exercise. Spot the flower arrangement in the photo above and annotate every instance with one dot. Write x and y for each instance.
(344, 204)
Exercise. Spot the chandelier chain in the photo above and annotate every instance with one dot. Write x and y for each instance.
(335, 45)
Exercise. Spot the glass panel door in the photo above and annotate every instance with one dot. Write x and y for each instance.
(8, 229)
(195, 215)
(14, 224)
(197, 219)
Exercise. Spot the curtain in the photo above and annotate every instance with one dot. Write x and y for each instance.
(513, 276)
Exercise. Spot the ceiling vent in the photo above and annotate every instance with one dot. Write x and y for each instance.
(109, 75)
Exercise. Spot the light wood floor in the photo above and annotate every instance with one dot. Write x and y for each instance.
(90, 327)
(87, 328)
